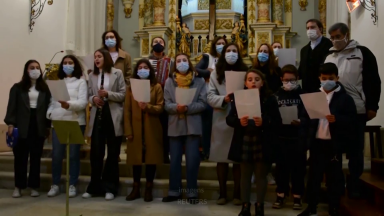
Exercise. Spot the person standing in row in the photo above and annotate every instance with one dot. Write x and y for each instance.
(218, 98)
(184, 128)
(143, 130)
(106, 91)
(253, 141)
(204, 69)
(27, 107)
(70, 71)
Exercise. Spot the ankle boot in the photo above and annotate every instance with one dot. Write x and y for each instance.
(135, 193)
(148, 192)
(259, 209)
(245, 210)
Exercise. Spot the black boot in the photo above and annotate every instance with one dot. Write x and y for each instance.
(259, 209)
(308, 212)
(245, 210)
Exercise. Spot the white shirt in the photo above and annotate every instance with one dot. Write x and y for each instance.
(316, 42)
(33, 96)
(106, 81)
(114, 56)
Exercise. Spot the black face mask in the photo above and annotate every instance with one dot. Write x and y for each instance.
(158, 48)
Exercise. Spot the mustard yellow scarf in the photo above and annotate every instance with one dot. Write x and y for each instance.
(183, 81)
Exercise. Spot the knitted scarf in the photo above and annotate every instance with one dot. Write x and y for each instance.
(183, 81)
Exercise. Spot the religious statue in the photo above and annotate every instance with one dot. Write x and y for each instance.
(239, 36)
(206, 49)
(183, 41)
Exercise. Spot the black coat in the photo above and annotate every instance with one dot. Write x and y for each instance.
(18, 111)
(271, 123)
(273, 80)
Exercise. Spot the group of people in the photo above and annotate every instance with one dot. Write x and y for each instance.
(339, 67)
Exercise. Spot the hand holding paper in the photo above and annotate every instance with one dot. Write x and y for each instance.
(316, 105)
(234, 80)
(58, 90)
(288, 114)
(141, 90)
(248, 103)
(185, 96)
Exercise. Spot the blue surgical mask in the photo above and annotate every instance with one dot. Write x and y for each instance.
(328, 84)
(231, 57)
(68, 69)
(143, 73)
(110, 43)
(219, 48)
(182, 67)
(263, 57)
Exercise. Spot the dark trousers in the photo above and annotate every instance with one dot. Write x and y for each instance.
(164, 124)
(32, 148)
(356, 155)
(104, 180)
(207, 115)
(150, 170)
(324, 160)
(290, 166)
(260, 169)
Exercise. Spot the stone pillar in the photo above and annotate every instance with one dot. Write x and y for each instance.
(110, 14)
(323, 15)
(288, 12)
(263, 11)
(158, 12)
(277, 10)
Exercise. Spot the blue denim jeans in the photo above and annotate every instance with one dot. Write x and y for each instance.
(58, 152)
(192, 156)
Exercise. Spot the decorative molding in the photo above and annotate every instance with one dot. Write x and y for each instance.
(251, 9)
(303, 5)
(263, 10)
(277, 12)
(159, 12)
(323, 15)
(288, 6)
(145, 46)
(262, 37)
(195, 46)
(128, 7)
(221, 24)
(287, 43)
(141, 10)
(171, 24)
(52, 74)
(36, 9)
(220, 5)
(110, 14)
(278, 38)
(148, 13)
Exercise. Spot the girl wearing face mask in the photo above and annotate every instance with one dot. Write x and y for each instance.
(70, 71)
(184, 128)
(221, 133)
(204, 68)
(267, 64)
(121, 59)
(251, 143)
(143, 130)
(27, 107)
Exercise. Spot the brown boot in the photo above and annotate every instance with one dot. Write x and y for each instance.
(148, 192)
(135, 193)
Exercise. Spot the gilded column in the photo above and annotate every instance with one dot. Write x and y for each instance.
(110, 14)
(288, 12)
(251, 19)
(277, 12)
(158, 10)
(263, 11)
(141, 14)
(323, 14)
(171, 24)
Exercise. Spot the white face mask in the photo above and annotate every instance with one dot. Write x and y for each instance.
(276, 51)
(312, 34)
(289, 86)
(34, 74)
(231, 57)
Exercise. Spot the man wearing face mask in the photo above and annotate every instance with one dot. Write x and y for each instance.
(312, 56)
(360, 76)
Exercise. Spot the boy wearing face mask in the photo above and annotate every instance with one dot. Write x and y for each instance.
(291, 157)
(329, 137)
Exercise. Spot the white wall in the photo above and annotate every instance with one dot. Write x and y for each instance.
(370, 35)
(18, 45)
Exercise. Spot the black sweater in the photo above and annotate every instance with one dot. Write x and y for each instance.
(273, 80)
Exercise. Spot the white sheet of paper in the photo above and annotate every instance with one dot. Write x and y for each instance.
(248, 103)
(288, 114)
(316, 105)
(287, 56)
(141, 90)
(234, 80)
(184, 96)
(89, 61)
(58, 90)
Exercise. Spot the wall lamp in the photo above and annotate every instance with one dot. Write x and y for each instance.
(37, 7)
(369, 5)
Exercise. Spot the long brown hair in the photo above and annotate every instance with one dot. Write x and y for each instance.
(264, 90)
(222, 64)
(26, 82)
(108, 62)
(271, 63)
(191, 68)
(152, 77)
(213, 51)
(117, 36)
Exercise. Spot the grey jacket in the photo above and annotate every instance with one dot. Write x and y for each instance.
(116, 96)
(191, 124)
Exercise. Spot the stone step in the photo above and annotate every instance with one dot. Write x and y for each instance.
(373, 187)
(378, 167)
(352, 207)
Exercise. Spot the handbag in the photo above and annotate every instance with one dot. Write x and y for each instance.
(12, 140)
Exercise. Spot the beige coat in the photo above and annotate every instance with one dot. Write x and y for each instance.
(116, 96)
(134, 117)
(123, 63)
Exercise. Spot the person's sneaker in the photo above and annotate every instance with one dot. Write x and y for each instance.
(86, 195)
(55, 190)
(109, 196)
(16, 193)
(72, 191)
(271, 180)
(34, 193)
(297, 204)
(278, 204)
(253, 179)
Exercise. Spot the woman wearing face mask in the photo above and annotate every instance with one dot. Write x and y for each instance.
(143, 130)
(106, 94)
(70, 71)
(27, 107)
(121, 59)
(204, 68)
(219, 99)
(184, 128)
(266, 63)
(276, 46)
(251, 143)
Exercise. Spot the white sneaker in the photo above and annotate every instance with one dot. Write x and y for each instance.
(253, 179)
(109, 196)
(34, 193)
(72, 191)
(271, 180)
(87, 195)
(16, 193)
(55, 190)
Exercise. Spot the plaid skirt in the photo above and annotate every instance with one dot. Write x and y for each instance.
(252, 148)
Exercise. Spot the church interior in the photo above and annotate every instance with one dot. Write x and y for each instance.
(41, 30)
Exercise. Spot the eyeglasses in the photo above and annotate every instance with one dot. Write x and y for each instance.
(289, 81)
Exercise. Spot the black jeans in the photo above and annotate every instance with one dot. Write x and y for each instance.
(290, 165)
(207, 115)
(150, 171)
(32, 148)
(164, 124)
(323, 159)
(104, 180)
